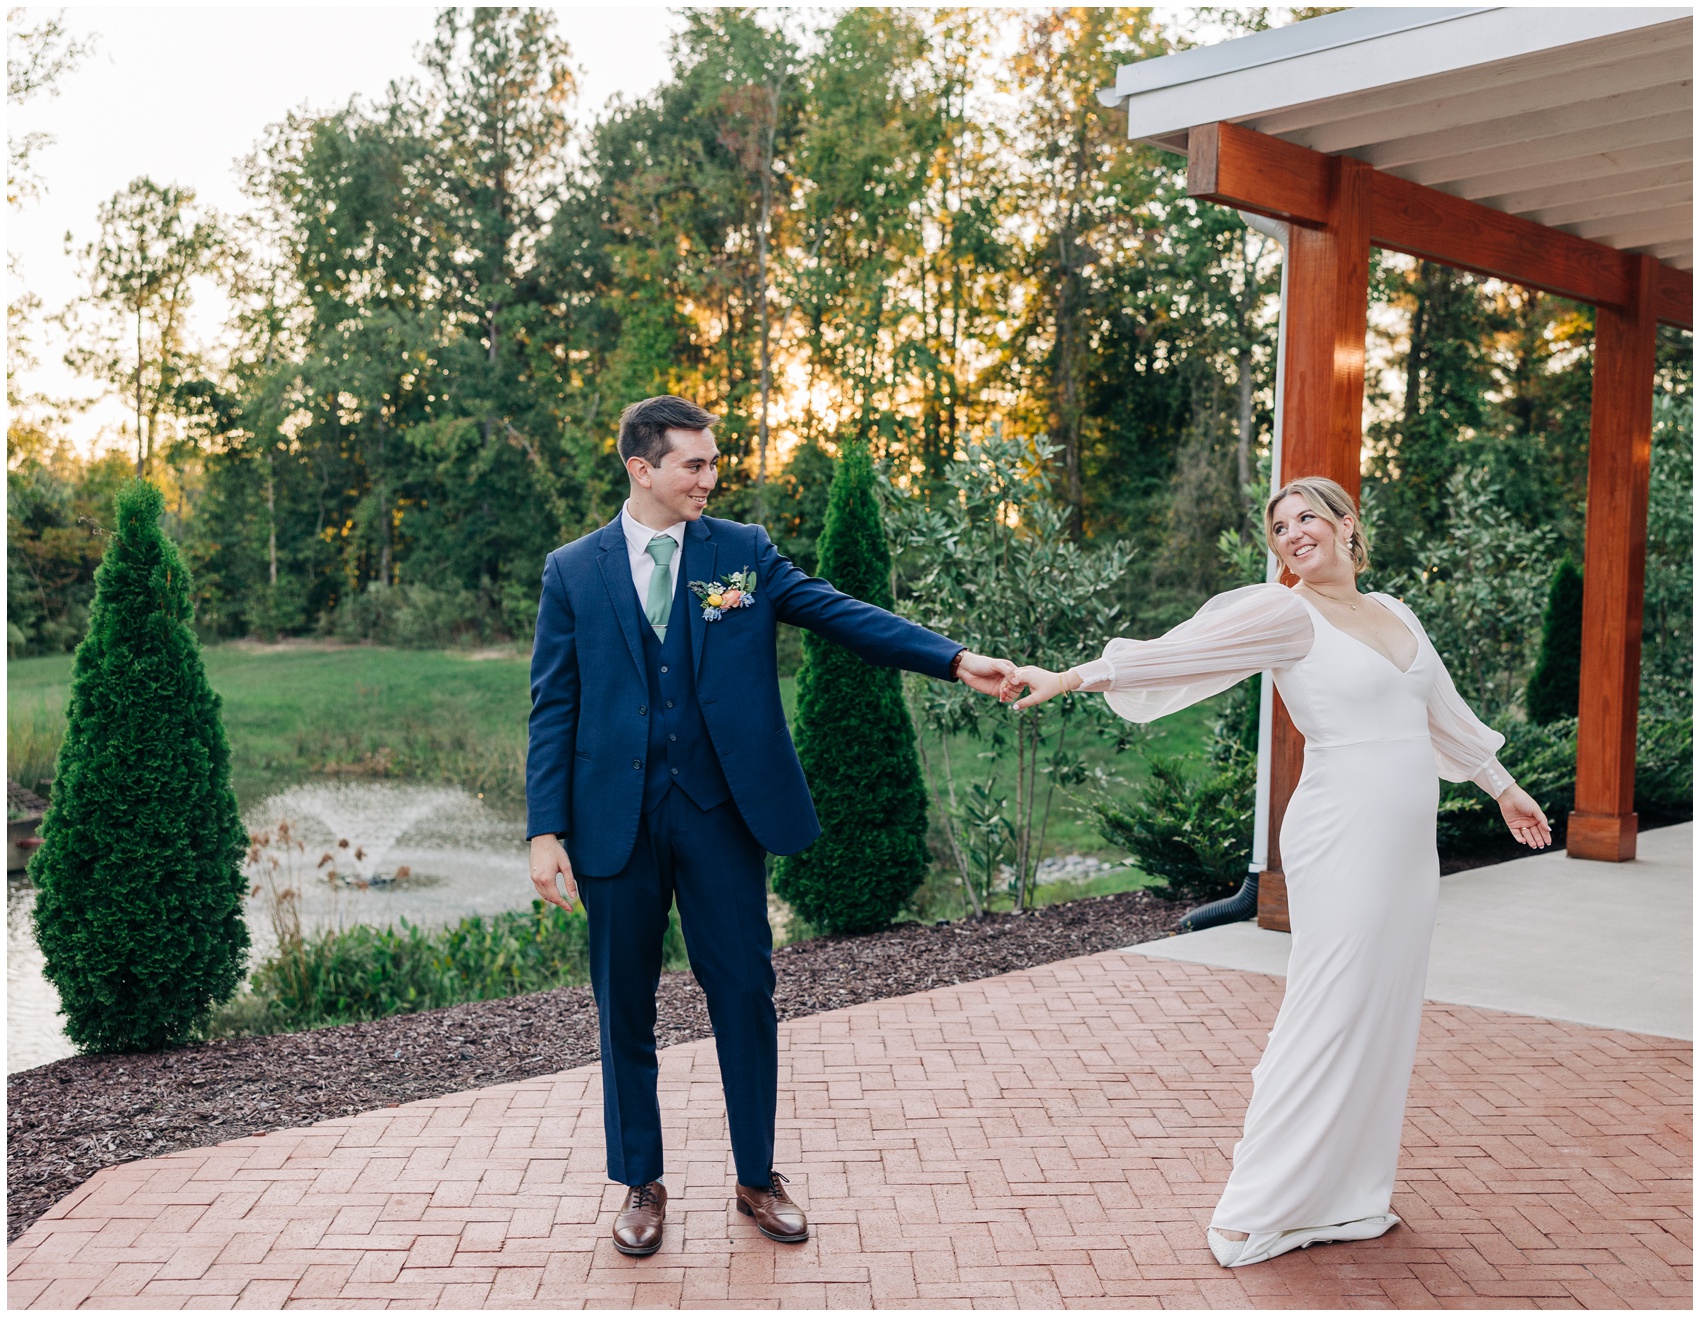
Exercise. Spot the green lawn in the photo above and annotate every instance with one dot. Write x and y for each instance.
(297, 711)
(303, 710)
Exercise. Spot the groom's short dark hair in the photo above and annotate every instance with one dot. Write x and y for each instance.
(644, 426)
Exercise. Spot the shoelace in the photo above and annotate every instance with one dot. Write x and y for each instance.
(773, 1188)
(642, 1196)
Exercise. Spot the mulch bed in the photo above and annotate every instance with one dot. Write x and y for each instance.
(67, 1120)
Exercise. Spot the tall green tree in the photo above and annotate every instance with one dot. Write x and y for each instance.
(39, 53)
(139, 879)
(141, 269)
(1074, 148)
(855, 741)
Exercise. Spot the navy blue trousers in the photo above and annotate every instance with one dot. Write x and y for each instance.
(709, 862)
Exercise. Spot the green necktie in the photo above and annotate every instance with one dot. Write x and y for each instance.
(660, 603)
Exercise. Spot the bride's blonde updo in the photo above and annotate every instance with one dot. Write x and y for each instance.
(1328, 500)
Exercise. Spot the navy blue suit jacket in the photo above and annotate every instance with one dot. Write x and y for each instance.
(589, 691)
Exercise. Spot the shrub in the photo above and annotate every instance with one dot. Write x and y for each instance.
(364, 973)
(1555, 684)
(139, 906)
(1667, 659)
(416, 616)
(856, 742)
(1195, 837)
(1479, 592)
(1542, 757)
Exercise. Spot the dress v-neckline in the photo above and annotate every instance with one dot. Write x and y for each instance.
(1403, 672)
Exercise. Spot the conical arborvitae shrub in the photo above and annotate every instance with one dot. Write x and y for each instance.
(1556, 682)
(856, 742)
(139, 882)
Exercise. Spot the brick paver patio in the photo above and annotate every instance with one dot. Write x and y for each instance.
(1050, 1138)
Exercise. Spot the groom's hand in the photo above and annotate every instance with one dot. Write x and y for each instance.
(983, 674)
(548, 858)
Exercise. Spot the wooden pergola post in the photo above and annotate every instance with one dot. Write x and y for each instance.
(1338, 208)
(1620, 443)
(1327, 314)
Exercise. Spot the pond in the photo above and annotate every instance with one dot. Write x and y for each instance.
(355, 853)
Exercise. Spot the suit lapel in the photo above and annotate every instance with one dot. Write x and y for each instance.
(697, 566)
(617, 576)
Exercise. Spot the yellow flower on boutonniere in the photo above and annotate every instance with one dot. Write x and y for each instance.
(720, 597)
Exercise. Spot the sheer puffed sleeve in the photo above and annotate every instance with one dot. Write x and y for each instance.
(1464, 746)
(1232, 636)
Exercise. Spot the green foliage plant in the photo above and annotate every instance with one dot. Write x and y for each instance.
(1556, 682)
(342, 975)
(989, 560)
(1194, 836)
(856, 741)
(1667, 656)
(139, 881)
(1542, 757)
(1479, 592)
(366, 973)
(34, 731)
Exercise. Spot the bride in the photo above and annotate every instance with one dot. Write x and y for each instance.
(1379, 715)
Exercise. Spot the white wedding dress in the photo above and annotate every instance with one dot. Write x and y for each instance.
(1321, 1142)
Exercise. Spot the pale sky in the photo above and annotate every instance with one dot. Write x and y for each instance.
(181, 94)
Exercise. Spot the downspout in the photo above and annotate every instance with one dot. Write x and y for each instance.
(1243, 903)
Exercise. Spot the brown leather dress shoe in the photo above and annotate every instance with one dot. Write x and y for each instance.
(637, 1230)
(775, 1215)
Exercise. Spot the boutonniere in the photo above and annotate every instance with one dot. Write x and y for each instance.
(717, 597)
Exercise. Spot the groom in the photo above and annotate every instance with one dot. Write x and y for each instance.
(660, 769)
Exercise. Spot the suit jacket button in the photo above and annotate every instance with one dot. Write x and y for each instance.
(675, 772)
(637, 763)
(671, 737)
(669, 704)
(643, 710)
(663, 667)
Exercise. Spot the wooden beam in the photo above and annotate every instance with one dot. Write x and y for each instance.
(1673, 296)
(1234, 166)
(1237, 167)
(1326, 317)
(1603, 824)
(1421, 221)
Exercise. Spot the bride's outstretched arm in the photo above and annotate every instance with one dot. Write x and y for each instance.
(1466, 749)
(1231, 637)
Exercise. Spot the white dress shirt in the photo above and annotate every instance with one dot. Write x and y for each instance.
(638, 537)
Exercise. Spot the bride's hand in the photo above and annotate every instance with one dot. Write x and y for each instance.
(1524, 817)
(1041, 685)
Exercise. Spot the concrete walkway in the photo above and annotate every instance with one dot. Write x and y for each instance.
(1050, 1138)
(1610, 945)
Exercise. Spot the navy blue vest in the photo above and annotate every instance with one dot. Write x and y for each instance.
(680, 752)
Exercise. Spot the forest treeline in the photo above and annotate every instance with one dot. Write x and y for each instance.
(909, 227)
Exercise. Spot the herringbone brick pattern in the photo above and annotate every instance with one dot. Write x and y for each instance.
(1053, 1138)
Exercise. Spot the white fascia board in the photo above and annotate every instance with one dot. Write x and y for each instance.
(1275, 45)
(1449, 40)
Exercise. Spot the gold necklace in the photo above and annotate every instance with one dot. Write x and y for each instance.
(1331, 599)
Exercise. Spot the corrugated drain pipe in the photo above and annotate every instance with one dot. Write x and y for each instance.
(1243, 903)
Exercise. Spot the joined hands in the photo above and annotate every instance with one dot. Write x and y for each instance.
(986, 675)
(1041, 684)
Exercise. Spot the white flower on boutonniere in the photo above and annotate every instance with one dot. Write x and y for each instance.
(720, 597)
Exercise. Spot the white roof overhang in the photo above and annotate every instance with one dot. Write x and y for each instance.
(1577, 119)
